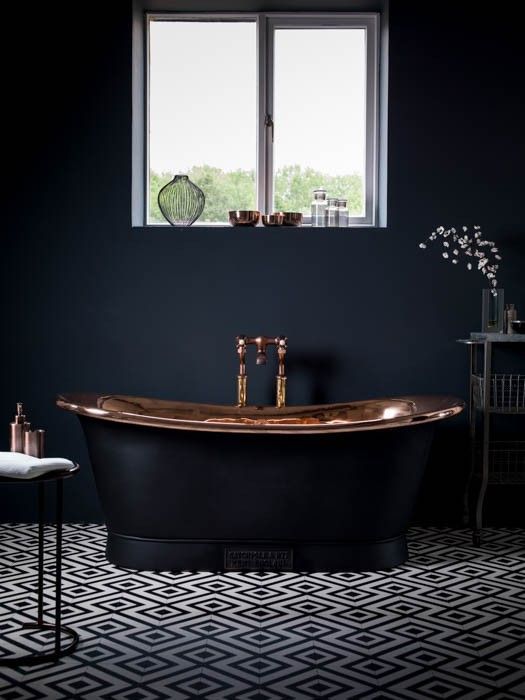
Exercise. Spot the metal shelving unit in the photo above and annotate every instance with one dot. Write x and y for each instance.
(492, 461)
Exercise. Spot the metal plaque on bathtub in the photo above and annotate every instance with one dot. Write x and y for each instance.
(257, 559)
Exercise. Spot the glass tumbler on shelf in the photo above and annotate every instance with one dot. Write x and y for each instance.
(318, 207)
(330, 217)
(342, 212)
(492, 311)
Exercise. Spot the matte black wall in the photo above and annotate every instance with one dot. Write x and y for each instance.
(91, 304)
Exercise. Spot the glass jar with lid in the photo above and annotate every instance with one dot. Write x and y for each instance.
(330, 217)
(342, 212)
(318, 207)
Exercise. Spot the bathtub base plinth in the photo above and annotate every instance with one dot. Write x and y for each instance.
(186, 555)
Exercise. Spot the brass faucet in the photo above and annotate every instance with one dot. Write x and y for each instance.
(261, 342)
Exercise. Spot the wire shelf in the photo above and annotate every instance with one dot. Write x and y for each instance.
(507, 462)
(507, 393)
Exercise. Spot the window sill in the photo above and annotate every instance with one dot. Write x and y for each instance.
(266, 229)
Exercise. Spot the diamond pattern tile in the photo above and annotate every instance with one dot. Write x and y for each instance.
(448, 625)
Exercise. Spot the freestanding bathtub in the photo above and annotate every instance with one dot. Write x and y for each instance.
(307, 488)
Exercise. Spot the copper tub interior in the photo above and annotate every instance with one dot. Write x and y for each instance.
(357, 415)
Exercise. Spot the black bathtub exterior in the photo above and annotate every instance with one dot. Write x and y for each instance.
(183, 500)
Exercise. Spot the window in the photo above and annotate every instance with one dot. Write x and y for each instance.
(261, 109)
(202, 112)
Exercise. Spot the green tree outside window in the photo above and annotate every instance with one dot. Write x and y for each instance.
(236, 190)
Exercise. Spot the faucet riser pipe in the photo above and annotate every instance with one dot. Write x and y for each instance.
(241, 390)
(280, 393)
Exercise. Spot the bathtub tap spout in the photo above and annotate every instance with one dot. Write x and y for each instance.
(261, 342)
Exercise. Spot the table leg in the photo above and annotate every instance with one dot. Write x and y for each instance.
(487, 361)
(40, 583)
(58, 572)
(472, 433)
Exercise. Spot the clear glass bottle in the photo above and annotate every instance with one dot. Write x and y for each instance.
(318, 207)
(342, 212)
(492, 311)
(330, 216)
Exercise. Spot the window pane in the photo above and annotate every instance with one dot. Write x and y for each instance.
(319, 116)
(202, 118)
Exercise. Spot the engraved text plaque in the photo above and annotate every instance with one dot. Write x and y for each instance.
(257, 559)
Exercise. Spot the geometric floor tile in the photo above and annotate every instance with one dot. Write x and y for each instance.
(448, 625)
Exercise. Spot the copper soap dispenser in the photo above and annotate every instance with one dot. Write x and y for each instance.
(22, 438)
(17, 428)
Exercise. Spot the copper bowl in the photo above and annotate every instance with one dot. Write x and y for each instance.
(244, 217)
(273, 219)
(291, 218)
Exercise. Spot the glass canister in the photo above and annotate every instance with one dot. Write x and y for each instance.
(318, 207)
(330, 217)
(342, 212)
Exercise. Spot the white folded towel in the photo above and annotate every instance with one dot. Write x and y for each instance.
(16, 465)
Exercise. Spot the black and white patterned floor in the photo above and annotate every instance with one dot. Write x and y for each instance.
(449, 624)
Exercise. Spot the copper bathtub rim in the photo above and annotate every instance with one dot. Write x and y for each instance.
(428, 408)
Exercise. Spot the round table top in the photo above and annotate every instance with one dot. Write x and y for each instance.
(48, 476)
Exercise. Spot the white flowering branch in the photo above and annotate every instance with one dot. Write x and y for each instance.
(473, 246)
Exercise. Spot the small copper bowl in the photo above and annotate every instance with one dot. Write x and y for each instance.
(291, 218)
(244, 217)
(273, 219)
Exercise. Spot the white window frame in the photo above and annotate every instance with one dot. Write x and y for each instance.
(266, 28)
(266, 24)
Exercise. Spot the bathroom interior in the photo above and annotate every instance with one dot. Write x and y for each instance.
(293, 481)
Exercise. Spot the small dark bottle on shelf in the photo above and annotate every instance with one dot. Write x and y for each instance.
(510, 315)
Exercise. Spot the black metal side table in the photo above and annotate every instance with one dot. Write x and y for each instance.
(57, 627)
(492, 461)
